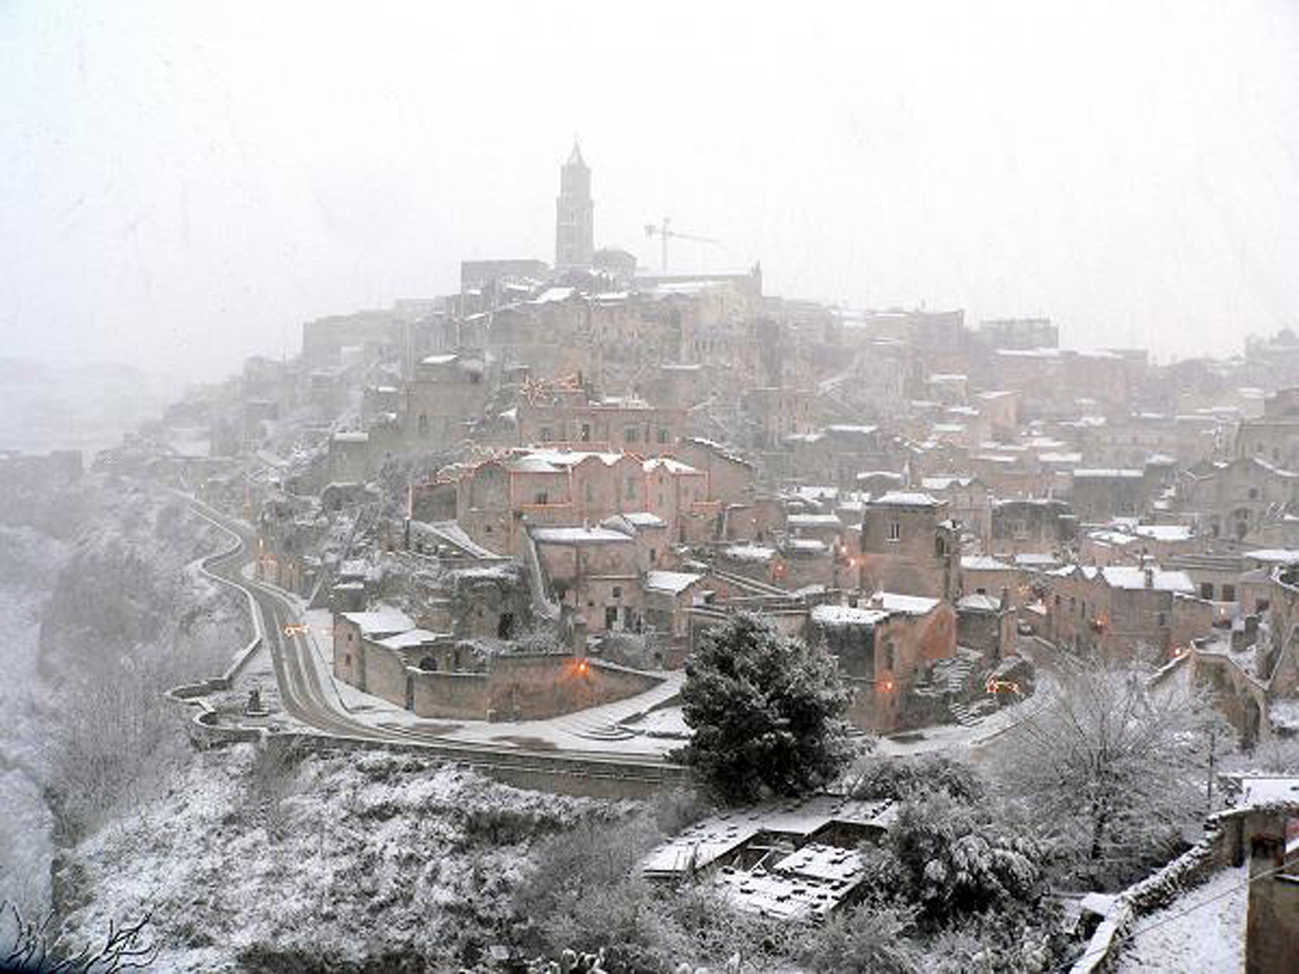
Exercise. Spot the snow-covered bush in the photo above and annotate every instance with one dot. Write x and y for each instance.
(901, 779)
(954, 860)
(872, 938)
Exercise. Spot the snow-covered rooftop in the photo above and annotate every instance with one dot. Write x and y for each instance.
(579, 536)
(673, 582)
(749, 552)
(410, 638)
(382, 620)
(905, 498)
(837, 616)
(1159, 579)
(984, 563)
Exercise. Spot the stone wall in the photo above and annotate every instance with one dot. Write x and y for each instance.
(514, 686)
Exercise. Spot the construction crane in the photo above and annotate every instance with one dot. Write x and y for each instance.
(665, 233)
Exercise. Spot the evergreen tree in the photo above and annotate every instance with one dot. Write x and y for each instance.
(766, 710)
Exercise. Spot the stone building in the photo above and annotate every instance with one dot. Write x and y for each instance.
(986, 624)
(1234, 499)
(1100, 495)
(1273, 437)
(1020, 333)
(447, 394)
(909, 546)
(1254, 665)
(884, 646)
(495, 500)
(1125, 612)
(969, 503)
(382, 653)
(565, 416)
(1031, 526)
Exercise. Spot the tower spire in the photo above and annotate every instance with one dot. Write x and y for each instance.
(574, 214)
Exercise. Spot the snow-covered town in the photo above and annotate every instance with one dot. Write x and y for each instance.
(616, 607)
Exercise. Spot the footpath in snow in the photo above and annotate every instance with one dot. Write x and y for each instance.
(1202, 931)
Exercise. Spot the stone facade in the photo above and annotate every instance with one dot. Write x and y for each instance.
(908, 546)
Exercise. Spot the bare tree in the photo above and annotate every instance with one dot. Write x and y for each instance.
(1114, 767)
(126, 947)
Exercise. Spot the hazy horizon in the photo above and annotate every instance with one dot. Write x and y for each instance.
(186, 186)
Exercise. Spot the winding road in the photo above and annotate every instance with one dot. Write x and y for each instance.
(306, 696)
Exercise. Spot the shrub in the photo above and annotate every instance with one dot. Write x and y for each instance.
(766, 710)
(909, 778)
(871, 938)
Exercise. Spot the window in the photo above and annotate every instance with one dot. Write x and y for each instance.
(631, 487)
(617, 591)
(1206, 590)
(1229, 593)
(890, 661)
(663, 435)
(586, 432)
(895, 531)
(654, 556)
(1253, 493)
(546, 434)
(543, 497)
(631, 434)
(1161, 619)
(423, 424)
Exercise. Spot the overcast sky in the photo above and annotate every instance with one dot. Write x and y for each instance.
(184, 184)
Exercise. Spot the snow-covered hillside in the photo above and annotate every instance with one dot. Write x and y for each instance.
(101, 607)
(252, 862)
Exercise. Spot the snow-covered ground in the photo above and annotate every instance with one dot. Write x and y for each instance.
(1202, 931)
(26, 570)
(337, 858)
(90, 574)
(965, 739)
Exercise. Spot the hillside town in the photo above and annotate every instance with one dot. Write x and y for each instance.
(621, 459)
(503, 524)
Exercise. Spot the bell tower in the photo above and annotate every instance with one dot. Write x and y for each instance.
(575, 214)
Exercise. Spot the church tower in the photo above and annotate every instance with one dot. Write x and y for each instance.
(575, 215)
